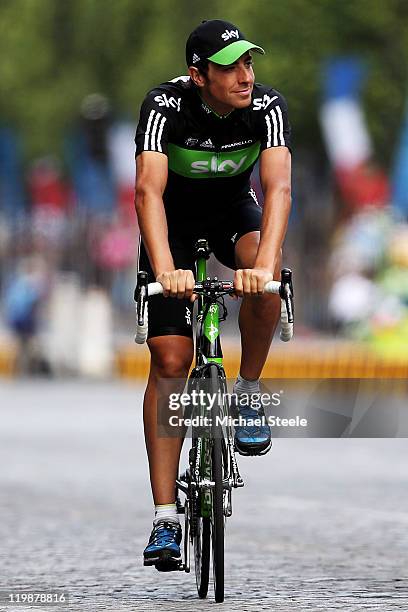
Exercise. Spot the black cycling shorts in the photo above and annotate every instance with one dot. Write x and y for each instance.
(171, 316)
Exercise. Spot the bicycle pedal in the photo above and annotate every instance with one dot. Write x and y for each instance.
(182, 568)
(252, 452)
(164, 561)
(169, 565)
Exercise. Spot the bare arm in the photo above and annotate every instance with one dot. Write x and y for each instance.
(151, 179)
(275, 180)
(275, 174)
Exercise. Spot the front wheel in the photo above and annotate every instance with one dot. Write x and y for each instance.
(200, 526)
(217, 523)
(217, 519)
(202, 555)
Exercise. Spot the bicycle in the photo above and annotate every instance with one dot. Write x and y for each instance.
(212, 470)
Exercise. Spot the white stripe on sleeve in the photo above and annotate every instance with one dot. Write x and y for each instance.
(275, 128)
(281, 138)
(153, 142)
(159, 135)
(268, 123)
(147, 134)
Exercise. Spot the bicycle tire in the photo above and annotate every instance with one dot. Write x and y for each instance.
(201, 539)
(202, 553)
(217, 524)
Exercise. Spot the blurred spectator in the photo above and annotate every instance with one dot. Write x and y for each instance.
(24, 293)
(352, 299)
(122, 155)
(50, 200)
(11, 191)
(89, 157)
(359, 245)
(5, 237)
(46, 186)
(369, 296)
(363, 186)
(116, 247)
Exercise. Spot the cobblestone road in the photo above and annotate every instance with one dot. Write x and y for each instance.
(321, 525)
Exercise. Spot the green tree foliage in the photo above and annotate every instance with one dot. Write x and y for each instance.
(54, 52)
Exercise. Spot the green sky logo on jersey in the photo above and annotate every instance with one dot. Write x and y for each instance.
(209, 164)
(228, 166)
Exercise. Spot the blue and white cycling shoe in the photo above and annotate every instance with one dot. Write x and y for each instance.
(163, 549)
(253, 437)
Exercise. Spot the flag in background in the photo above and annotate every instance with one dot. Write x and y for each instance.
(400, 173)
(349, 147)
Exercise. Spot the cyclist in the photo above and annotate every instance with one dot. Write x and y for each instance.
(197, 141)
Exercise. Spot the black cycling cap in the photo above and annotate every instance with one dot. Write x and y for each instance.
(218, 41)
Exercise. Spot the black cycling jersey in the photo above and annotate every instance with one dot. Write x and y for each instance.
(202, 147)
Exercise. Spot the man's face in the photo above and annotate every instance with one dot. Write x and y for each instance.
(229, 87)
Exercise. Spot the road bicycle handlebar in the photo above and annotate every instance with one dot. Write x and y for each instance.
(214, 287)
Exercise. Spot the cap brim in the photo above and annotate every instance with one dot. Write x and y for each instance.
(230, 54)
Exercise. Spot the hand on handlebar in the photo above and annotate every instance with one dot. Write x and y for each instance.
(180, 283)
(251, 281)
(177, 283)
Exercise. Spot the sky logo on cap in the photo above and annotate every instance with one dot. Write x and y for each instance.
(230, 34)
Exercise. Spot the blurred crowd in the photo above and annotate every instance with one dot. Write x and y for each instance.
(68, 237)
(368, 300)
(368, 269)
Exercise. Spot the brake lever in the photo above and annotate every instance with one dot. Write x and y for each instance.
(140, 296)
(286, 292)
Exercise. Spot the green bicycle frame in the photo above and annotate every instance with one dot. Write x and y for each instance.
(210, 345)
(208, 350)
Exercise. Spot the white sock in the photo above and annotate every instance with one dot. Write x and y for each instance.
(246, 386)
(167, 512)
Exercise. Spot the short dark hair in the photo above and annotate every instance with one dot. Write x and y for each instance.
(202, 66)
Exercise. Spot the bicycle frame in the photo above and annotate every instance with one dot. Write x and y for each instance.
(208, 353)
(208, 348)
(208, 345)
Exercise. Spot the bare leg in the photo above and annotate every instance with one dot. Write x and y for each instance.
(171, 357)
(258, 316)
